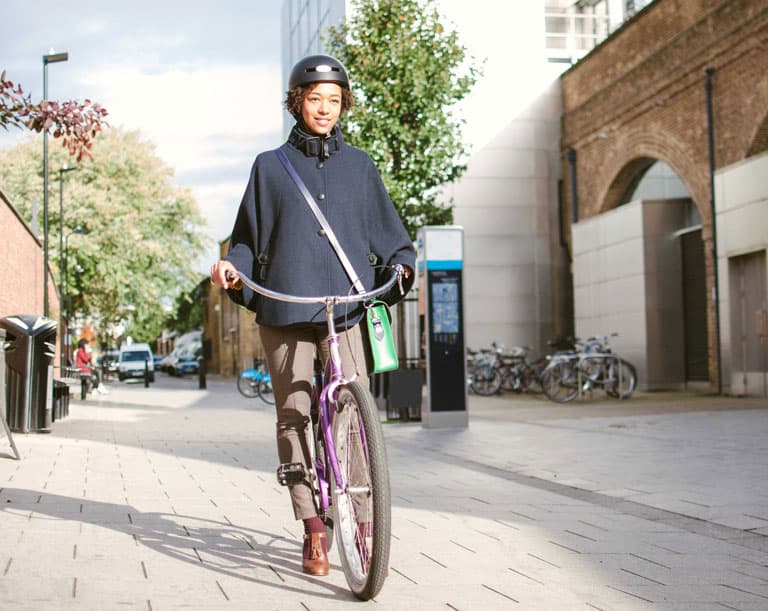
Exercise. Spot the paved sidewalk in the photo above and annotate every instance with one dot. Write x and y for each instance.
(165, 498)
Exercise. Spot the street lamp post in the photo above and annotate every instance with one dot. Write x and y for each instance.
(50, 58)
(62, 328)
(64, 297)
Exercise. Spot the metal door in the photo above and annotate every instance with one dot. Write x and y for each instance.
(694, 307)
(749, 324)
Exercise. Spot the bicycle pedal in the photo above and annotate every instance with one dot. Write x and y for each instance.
(290, 473)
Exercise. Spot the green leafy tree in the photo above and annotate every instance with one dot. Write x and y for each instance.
(408, 72)
(187, 312)
(143, 232)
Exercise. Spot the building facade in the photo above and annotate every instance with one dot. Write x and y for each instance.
(683, 85)
(588, 199)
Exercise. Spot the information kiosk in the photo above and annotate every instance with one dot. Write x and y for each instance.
(441, 309)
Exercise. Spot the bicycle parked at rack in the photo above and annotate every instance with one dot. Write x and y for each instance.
(518, 373)
(490, 370)
(483, 374)
(256, 382)
(349, 471)
(590, 364)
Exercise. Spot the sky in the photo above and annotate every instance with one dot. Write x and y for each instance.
(199, 79)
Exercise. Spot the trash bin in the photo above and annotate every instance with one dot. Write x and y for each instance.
(30, 348)
(60, 400)
(403, 393)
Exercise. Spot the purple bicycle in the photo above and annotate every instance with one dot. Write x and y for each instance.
(349, 475)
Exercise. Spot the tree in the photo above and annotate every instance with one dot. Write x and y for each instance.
(408, 72)
(77, 123)
(144, 232)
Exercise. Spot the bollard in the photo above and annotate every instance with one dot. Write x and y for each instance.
(146, 373)
(201, 383)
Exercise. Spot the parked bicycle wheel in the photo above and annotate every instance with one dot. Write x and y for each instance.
(265, 390)
(362, 510)
(486, 381)
(247, 385)
(532, 377)
(622, 379)
(559, 381)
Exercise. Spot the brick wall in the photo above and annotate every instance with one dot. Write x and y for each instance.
(231, 330)
(21, 267)
(640, 96)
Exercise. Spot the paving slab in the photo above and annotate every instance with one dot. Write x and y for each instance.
(165, 498)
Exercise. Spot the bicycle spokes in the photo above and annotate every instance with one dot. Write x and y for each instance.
(361, 500)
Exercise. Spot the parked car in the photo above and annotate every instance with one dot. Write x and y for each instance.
(185, 363)
(132, 360)
(183, 360)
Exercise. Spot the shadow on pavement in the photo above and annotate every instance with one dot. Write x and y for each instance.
(222, 547)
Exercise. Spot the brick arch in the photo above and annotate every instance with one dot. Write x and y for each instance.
(636, 151)
(759, 140)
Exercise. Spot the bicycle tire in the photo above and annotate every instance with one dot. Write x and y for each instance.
(248, 387)
(486, 383)
(559, 382)
(265, 392)
(532, 381)
(361, 512)
(628, 380)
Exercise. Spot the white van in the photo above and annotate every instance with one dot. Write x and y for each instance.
(130, 363)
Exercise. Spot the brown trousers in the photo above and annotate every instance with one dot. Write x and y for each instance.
(290, 353)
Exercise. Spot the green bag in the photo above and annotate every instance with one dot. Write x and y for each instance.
(379, 322)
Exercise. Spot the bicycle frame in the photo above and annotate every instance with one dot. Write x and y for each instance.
(333, 375)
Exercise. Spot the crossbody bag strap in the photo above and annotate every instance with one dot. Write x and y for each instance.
(322, 220)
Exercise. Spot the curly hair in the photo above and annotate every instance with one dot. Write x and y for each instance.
(294, 98)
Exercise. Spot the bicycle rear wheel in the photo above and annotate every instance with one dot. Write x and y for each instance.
(362, 508)
(248, 386)
(265, 392)
(559, 382)
(628, 379)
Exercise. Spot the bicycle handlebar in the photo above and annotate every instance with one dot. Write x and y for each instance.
(397, 275)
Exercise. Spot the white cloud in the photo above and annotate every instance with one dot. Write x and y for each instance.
(178, 110)
(201, 121)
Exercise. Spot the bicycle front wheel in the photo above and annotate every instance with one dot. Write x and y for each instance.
(362, 505)
(559, 382)
(486, 381)
(265, 392)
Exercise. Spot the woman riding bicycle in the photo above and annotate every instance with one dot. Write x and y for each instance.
(276, 240)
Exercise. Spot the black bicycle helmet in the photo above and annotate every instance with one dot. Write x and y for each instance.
(318, 69)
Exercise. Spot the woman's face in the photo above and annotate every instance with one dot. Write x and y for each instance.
(321, 108)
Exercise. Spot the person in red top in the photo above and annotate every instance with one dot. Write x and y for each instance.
(84, 363)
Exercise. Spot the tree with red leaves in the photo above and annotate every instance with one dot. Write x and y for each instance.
(76, 123)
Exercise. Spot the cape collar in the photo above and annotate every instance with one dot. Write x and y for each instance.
(315, 146)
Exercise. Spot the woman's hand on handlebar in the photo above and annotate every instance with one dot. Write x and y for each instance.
(224, 274)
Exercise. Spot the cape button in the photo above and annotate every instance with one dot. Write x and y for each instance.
(321, 196)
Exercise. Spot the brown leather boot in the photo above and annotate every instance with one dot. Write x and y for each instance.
(315, 560)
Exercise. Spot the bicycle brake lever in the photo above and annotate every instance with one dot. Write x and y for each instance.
(400, 271)
(237, 284)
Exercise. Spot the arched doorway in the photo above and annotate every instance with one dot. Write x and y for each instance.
(660, 182)
(639, 270)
